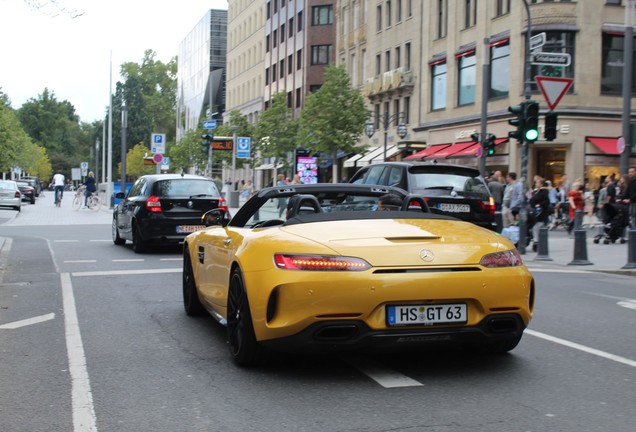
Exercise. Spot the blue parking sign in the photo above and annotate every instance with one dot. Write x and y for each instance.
(243, 147)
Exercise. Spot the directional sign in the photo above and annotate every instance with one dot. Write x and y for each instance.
(158, 143)
(547, 58)
(209, 124)
(243, 145)
(537, 41)
(553, 89)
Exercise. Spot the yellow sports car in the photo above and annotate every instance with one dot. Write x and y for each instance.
(322, 268)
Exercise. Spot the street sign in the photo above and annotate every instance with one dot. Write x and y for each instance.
(222, 144)
(158, 143)
(553, 88)
(620, 145)
(165, 164)
(537, 41)
(209, 124)
(243, 146)
(547, 58)
(157, 158)
(84, 168)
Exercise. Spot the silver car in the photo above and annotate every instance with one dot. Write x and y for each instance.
(10, 195)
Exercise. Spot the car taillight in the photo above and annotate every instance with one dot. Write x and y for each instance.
(509, 258)
(223, 204)
(153, 204)
(489, 205)
(17, 194)
(320, 263)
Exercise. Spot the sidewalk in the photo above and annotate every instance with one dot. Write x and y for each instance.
(602, 257)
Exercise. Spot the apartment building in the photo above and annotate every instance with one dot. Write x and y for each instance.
(423, 62)
(201, 72)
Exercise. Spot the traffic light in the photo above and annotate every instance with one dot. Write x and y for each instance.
(550, 126)
(490, 145)
(518, 122)
(205, 144)
(531, 131)
(475, 137)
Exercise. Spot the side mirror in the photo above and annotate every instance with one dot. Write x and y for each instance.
(216, 217)
(120, 195)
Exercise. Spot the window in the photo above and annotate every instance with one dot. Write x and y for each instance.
(275, 39)
(441, 18)
(438, 93)
(378, 64)
(282, 33)
(388, 13)
(322, 15)
(470, 13)
(267, 43)
(320, 54)
(556, 42)
(299, 59)
(290, 63)
(396, 110)
(467, 78)
(282, 68)
(266, 76)
(378, 18)
(398, 12)
(503, 7)
(612, 64)
(397, 57)
(298, 98)
(407, 109)
(273, 73)
(499, 69)
(387, 63)
(407, 55)
(299, 20)
(268, 8)
(289, 99)
(314, 88)
(290, 26)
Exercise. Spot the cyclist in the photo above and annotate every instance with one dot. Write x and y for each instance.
(58, 187)
(90, 187)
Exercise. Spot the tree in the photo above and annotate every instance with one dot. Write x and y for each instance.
(244, 129)
(333, 117)
(135, 167)
(188, 153)
(276, 130)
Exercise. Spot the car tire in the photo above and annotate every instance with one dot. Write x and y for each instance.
(33, 200)
(115, 234)
(139, 246)
(244, 348)
(191, 302)
(18, 208)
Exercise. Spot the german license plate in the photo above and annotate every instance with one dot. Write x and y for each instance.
(454, 208)
(426, 314)
(183, 229)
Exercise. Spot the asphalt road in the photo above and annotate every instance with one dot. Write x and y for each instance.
(106, 346)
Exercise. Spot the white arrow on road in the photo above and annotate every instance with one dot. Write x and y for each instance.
(23, 323)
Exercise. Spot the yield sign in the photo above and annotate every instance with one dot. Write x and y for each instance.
(553, 89)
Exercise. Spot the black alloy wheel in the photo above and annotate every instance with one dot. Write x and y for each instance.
(139, 246)
(191, 302)
(245, 350)
(115, 234)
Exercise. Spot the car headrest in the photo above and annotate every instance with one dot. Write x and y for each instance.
(302, 204)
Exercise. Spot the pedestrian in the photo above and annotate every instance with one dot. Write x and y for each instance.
(576, 202)
(91, 187)
(628, 195)
(540, 206)
(496, 189)
(296, 180)
(506, 211)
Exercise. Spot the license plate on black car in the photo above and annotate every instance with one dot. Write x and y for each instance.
(185, 229)
(454, 208)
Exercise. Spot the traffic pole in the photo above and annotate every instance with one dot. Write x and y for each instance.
(631, 249)
(543, 254)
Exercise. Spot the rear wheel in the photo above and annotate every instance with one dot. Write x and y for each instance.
(139, 245)
(115, 234)
(191, 302)
(245, 350)
(77, 203)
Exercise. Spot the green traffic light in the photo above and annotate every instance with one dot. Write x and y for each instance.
(532, 134)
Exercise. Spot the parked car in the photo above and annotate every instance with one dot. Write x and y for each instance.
(336, 274)
(28, 191)
(35, 183)
(162, 209)
(10, 195)
(453, 190)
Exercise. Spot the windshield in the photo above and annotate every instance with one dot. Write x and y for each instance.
(463, 185)
(179, 188)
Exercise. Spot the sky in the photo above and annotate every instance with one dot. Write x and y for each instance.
(69, 51)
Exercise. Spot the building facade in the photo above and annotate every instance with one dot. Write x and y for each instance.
(201, 72)
(444, 65)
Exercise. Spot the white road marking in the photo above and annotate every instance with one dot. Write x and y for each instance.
(129, 260)
(387, 378)
(583, 348)
(80, 261)
(126, 272)
(170, 259)
(84, 419)
(629, 304)
(26, 322)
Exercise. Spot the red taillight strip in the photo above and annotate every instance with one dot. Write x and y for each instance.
(509, 258)
(319, 263)
(222, 204)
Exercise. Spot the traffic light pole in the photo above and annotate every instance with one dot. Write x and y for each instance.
(485, 80)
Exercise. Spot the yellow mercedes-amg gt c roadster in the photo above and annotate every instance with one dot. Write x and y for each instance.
(324, 268)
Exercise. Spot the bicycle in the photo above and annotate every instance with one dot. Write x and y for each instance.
(58, 197)
(94, 202)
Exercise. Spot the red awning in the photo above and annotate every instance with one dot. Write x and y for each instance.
(606, 145)
(472, 150)
(451, 150)
(427, 151)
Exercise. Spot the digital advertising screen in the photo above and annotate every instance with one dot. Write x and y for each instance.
(307, 169)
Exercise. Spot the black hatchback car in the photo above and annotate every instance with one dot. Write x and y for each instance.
(162, 209)
(453, 190)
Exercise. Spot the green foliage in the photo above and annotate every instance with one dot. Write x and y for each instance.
(135, 167)
(187, 153)
(244, 129)
(276, 130)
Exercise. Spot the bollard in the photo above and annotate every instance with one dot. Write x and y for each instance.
(580, 248)
(542, 250)
(578, 219)
(631, 249)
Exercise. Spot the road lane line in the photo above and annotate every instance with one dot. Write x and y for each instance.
(126, 272)
(26, 322)
(387, 378)
(129, 260)
(82, 399)
(170, 259)
(583, 348)
(79, 261)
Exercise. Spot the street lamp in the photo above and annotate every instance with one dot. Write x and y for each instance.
(386, 119)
